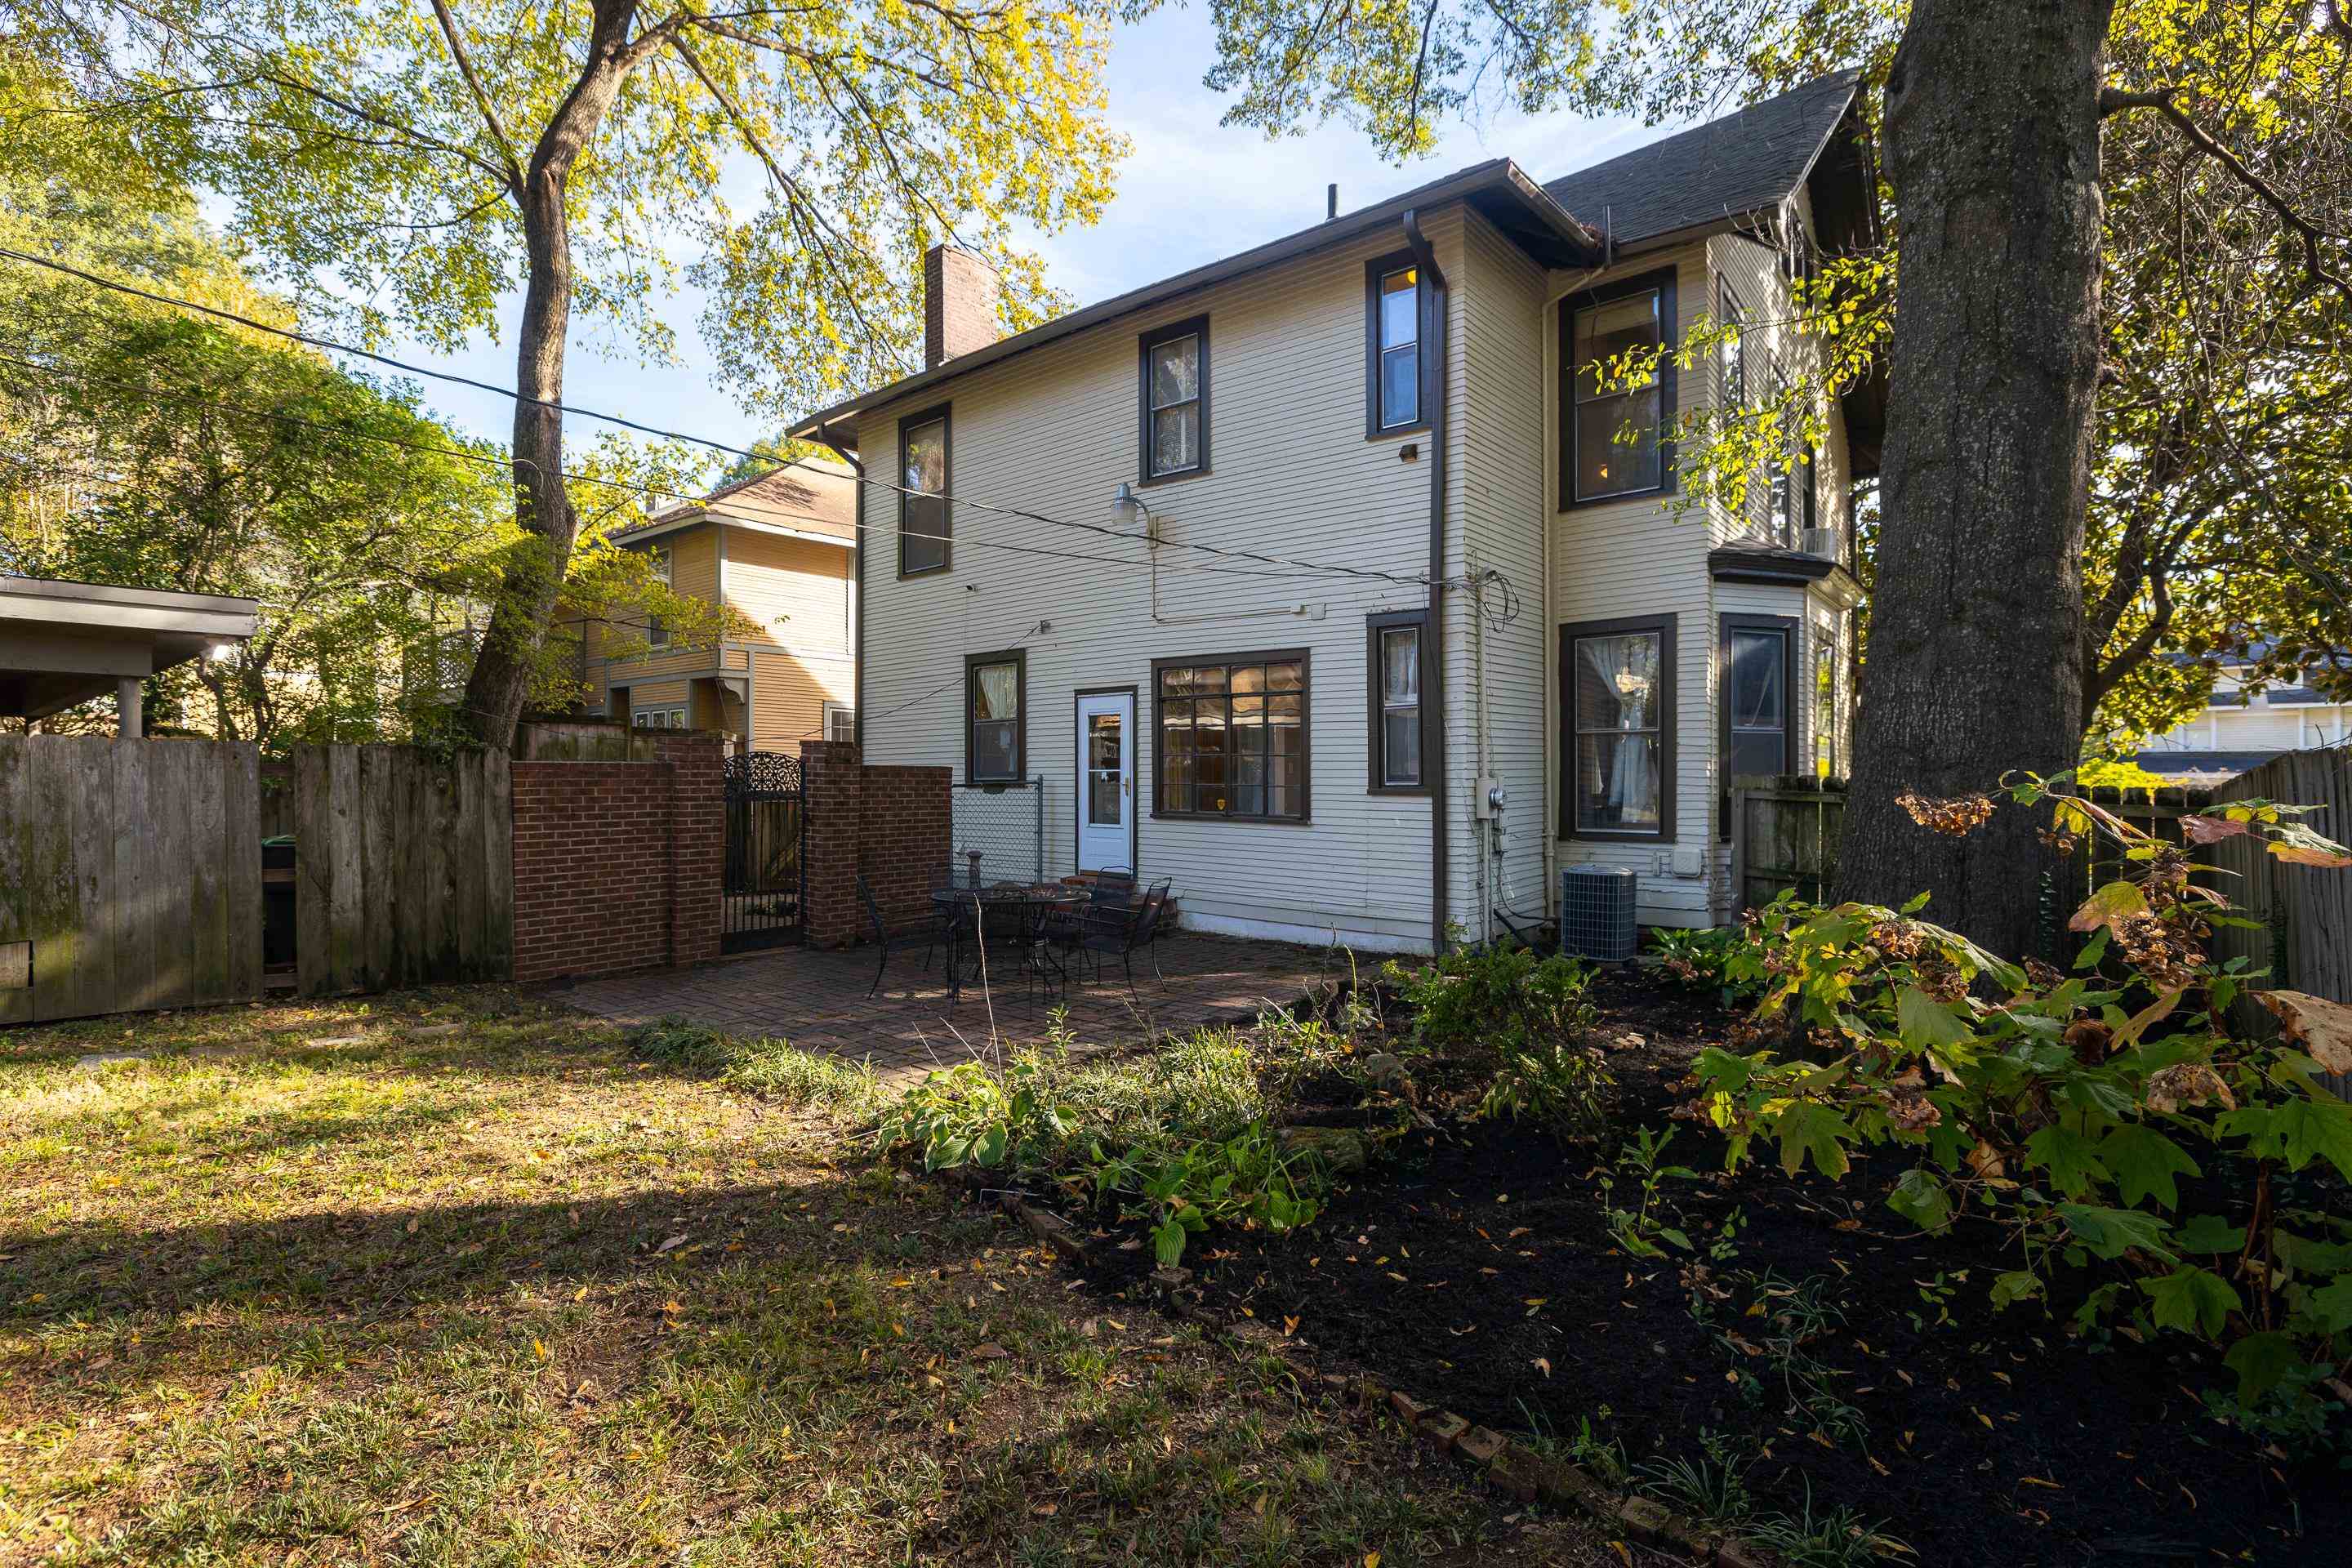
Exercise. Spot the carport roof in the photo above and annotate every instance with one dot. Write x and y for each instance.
(63, 643)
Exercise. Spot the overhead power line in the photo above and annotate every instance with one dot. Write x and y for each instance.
(653, 492)
(1027, 514)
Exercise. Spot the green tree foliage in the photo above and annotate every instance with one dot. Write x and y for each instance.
(141, 447)
(432, 158)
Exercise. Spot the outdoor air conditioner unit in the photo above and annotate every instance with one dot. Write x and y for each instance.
(1596, 913)
(1822, 541)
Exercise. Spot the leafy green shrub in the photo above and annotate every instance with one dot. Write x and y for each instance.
(1528, 1019)
(1705, 959)
(970, 1114)
(1244, 1178)
(2068, 1108)
(775, 1069)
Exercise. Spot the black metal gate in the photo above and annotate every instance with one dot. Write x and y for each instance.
(766, 890)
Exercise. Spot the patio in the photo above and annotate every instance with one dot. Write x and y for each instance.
(816, 999)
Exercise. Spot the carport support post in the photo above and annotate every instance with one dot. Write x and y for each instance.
(126, 708)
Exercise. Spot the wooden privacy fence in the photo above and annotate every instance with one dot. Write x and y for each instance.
(404, 867)
(129, 875)
(2306, 909)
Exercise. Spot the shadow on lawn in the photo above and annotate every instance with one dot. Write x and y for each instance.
(396, 1259)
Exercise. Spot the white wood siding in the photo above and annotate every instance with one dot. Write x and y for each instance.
(1495, 523)
(1640, 556)
(1054, 431)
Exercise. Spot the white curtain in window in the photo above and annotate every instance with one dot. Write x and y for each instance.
(1618, 707)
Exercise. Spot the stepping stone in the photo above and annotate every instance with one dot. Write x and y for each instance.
(97, 1061)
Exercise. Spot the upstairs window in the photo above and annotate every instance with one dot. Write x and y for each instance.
(925, 523)
(1616, 425)
(996, 729)
(1232, 737)
(1175, 400)
(657, 567)
(1392, 345)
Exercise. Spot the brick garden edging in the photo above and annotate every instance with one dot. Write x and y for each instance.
(1508, 1466)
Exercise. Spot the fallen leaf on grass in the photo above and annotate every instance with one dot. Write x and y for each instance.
(989, 1353)
(1541, 1364)
(672, 1244)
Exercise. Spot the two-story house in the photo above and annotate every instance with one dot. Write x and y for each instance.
(781, 549)
(1328, 579)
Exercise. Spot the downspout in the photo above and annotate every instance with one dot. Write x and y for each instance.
(1434, 383)
(856, 591)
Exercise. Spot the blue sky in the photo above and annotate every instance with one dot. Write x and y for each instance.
(1191, 191)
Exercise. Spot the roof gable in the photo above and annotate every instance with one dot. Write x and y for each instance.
(1746, 161)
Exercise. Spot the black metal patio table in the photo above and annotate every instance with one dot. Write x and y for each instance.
(1015, 911)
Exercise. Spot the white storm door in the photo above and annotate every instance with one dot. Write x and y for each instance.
(1106, 782)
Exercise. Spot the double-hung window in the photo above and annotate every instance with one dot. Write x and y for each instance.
(1758, 672)
(840, 721)
(1395, 681)
(1174, 400)
(1826, 640)
(1617, 693)
(926, 525)
(1393, 401)
(995, 699)
(1231, 738)
(657, 567)
(1616, 410)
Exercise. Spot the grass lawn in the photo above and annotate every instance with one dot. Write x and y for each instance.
(453, 1277)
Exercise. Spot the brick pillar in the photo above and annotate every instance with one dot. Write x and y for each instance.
(698, 859)
(833, 785)
(906, 836)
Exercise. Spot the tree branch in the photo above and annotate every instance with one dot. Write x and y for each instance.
(465, 60)
(2165, 101)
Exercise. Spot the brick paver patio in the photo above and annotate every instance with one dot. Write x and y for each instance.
(818, 1000)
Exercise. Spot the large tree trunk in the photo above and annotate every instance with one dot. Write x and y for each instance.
(500, 681)
(1976, 650)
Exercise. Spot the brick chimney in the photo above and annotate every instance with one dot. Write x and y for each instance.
(959, 304)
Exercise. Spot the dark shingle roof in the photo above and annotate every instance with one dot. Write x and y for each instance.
(1742, 163)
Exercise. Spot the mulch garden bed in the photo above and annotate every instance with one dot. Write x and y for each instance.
(1474, 1267)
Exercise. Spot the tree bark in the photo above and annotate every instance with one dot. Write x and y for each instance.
(500, 680)
(1976, 654)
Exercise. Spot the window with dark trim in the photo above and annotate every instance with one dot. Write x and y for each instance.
(1231, 737)
(1827, 638)
(657, 565)
(1612, 440)
(1617, 722)
(1172, 401)
(1395, 664)
(1394, 312)
(996, 717)
(1759, 680)
(926, 523)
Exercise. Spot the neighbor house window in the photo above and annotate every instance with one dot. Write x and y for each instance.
(1232, 736)
(1617, 680)
(1392, 345)
(1175, 400)
(657, 566)
(1395, 723)
(926, 527)
(1612, 430)
(996, 729)
(1758, 671)
(840, 721)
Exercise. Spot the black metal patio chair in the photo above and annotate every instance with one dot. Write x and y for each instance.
(1111, 932)
(940, 926)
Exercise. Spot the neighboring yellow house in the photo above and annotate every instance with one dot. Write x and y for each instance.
(781, 550)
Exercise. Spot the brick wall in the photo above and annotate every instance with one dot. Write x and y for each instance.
(617, 864)
(960, 296)
(891, 824)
